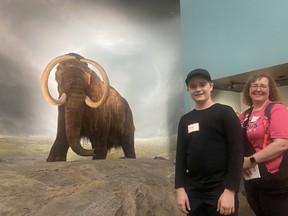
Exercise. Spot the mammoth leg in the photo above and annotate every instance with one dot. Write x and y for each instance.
(128, 147)
(60, 146)
(100, 147)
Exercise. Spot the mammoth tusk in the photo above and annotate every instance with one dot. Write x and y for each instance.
(44, 80)
(106, 86)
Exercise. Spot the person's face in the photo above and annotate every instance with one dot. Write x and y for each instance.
(200, 89)
(259, 90)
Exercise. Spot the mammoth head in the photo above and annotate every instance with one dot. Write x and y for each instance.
(82, 62)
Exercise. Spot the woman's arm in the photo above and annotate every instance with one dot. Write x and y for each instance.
(271, 151)
(278, 130)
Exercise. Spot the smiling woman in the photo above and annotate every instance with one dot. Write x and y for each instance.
(260, 82)
(265, 135)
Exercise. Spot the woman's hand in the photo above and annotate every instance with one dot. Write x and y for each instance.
(247, 163)
(226, 202)
(182, 200)
(246, 166)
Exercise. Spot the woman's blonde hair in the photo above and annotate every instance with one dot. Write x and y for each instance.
(273, 90)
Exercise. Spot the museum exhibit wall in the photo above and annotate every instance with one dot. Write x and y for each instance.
(232, 37)
(136, 42)
(146, 48)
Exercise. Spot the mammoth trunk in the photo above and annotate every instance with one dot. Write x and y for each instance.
(73, 121)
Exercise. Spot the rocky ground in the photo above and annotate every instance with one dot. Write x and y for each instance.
(80, 186)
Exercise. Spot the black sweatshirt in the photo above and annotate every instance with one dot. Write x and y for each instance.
(209, 149)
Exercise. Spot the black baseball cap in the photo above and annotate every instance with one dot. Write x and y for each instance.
(198, 72)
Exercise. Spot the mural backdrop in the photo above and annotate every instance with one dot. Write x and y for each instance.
(137, 42)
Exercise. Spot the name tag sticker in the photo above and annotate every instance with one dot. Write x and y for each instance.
(255, 118)
(193, 127)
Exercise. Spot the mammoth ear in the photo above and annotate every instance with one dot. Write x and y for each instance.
(88, 76)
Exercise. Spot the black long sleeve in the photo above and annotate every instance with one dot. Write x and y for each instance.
(209, 148)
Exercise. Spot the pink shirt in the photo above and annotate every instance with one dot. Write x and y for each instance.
(278, 129)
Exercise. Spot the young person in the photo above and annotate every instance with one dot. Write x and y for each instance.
(209, 154)
(265, 164)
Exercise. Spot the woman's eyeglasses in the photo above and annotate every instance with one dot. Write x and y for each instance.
(261, 87)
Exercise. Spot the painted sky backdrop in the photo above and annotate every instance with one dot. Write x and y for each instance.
(137, 42)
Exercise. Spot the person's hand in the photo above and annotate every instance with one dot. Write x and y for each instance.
(226, 202)
(247, 163)
(246, 166)
(182, 200)
(246, 172)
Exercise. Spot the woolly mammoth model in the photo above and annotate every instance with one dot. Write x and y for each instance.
(87, 108)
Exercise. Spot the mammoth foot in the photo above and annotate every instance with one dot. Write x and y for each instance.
(53, 158)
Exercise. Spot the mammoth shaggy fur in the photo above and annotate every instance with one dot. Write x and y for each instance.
(108, 126)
